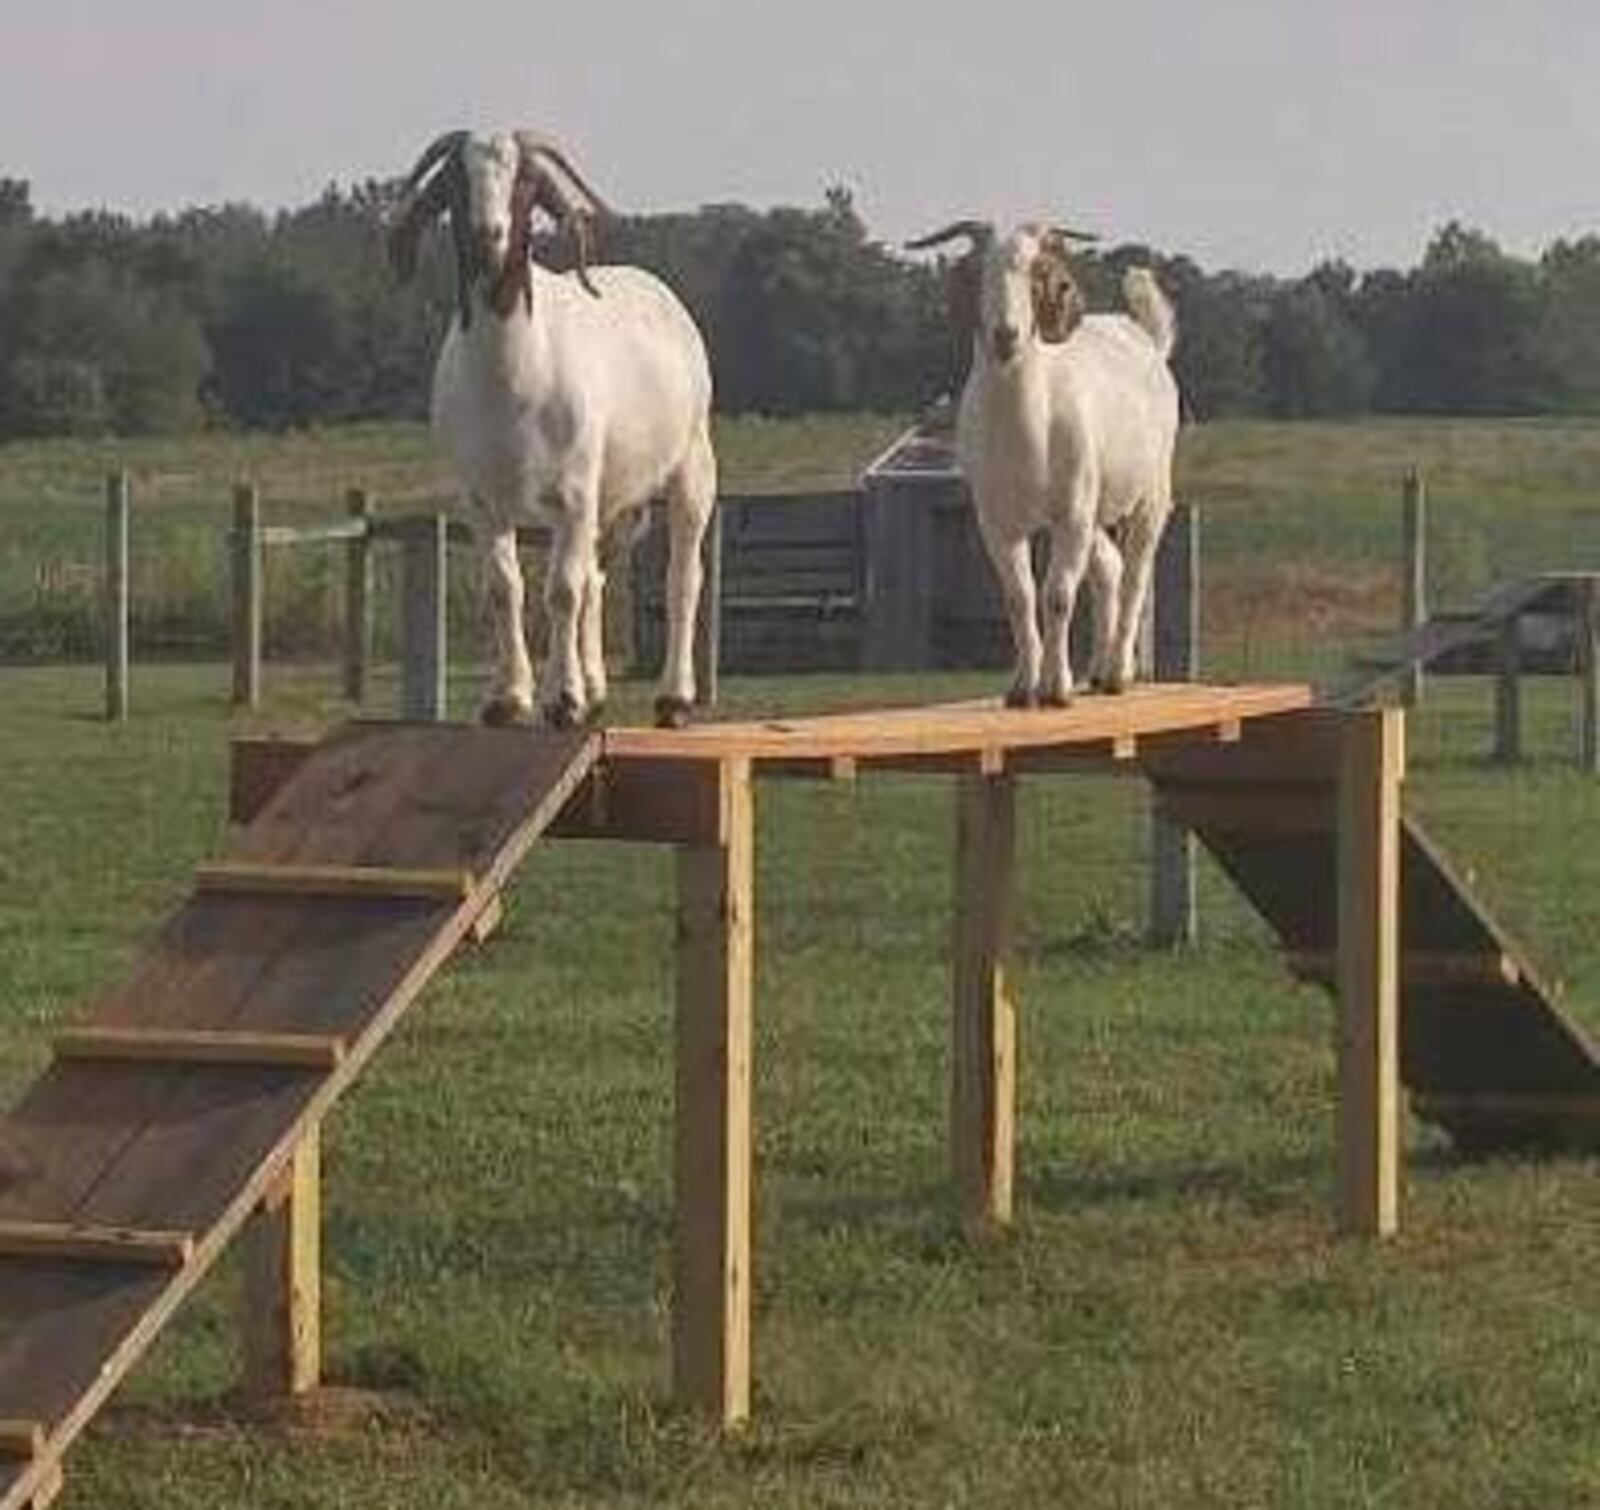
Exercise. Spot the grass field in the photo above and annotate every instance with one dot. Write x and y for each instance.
(1171, 1324)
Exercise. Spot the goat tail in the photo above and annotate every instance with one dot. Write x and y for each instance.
(1150, 308)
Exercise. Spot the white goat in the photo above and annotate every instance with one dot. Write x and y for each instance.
(1068, 424)
(569, 398)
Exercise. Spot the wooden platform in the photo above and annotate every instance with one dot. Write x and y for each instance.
(183, 1105)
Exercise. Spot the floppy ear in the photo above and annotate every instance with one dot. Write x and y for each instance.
(1058, 303)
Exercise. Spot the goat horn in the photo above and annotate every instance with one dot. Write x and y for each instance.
(580, 236)
(438, 149)
(1067, 233)
(536, 144)
(978, 231)
(418, 210)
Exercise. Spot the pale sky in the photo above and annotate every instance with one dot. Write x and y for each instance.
(1251, 133)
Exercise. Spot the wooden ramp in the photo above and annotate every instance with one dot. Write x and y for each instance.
(1486, 1051)
(187, 1098)
(1448, 634)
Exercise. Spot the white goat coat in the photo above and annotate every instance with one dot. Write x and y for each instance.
(581, 397)
(1086, 427)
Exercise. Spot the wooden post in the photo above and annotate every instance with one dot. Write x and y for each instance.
(117, 604)
(1174, 910)
(983, 1090)
(246, 596)
(711, 1162)
(901, 593)
(1508, 692)
(708, 627)
(1414, 588)
(1371, 769)
(1586, 632)
(282, 1293)
(357, 598)
(424, 568)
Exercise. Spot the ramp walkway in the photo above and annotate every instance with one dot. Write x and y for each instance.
(181, 1109)
(1486, 1050)
(180, 1099)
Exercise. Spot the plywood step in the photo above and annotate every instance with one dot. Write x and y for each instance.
(93, 1244)
(201, 1046)
(271, 878)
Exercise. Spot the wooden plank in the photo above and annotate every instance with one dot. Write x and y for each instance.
(1417, 968)
(282, 1291)
(712, 1147)
(21, 1440)
(95, 1244)
(1369, 978)
(983, 1081)
(117, 608)
(200, 1046)
(266, 878)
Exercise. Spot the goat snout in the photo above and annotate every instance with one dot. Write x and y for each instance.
(1006, 340)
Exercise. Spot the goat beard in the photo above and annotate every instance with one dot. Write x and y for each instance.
(514, 281)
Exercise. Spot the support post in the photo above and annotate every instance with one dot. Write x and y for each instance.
(357, 597)
(117, 605)
(282, 1294)
(983, 1088)
(1371, 769)
(424, 568)
(1174, 911)
(1508, 692)
(712, 1149)
(900, 573)
(708, 626)
(246, 596)
(1586, 632)
(1414, 588)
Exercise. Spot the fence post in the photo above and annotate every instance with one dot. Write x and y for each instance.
(424, 577)
(357, 596)
(1508, 691)
(1586, 631)
(1174, 912)
(246, 596)
(708, 626)
(1414, 589)
(116, 607)
(898, 616)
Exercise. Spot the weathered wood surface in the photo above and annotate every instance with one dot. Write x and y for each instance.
(195, 1147)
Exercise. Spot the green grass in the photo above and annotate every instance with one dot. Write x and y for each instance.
(1171, 1324)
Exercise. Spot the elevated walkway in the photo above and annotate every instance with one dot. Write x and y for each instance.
(182, 1107)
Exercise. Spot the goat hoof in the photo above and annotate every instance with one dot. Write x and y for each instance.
(562, 711)
(1022, 697)
(672, 713)
(1111, 686)
(505, 713)
(1057, 698)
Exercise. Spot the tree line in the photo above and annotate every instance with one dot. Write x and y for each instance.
(231, 316)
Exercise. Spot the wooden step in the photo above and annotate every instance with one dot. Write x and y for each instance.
(266, 878)
(91, 1244)
(1420, 968)
(201, 1046)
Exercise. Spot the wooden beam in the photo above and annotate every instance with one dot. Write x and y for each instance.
(21, 1440)
(1418, 968)
(282, 1292)
(90, 1244)
(200, 1046)
(712, 1153)
(270, 878)
(983, 1082)
(1371, 772)
(47, 1487)
(488, 921)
